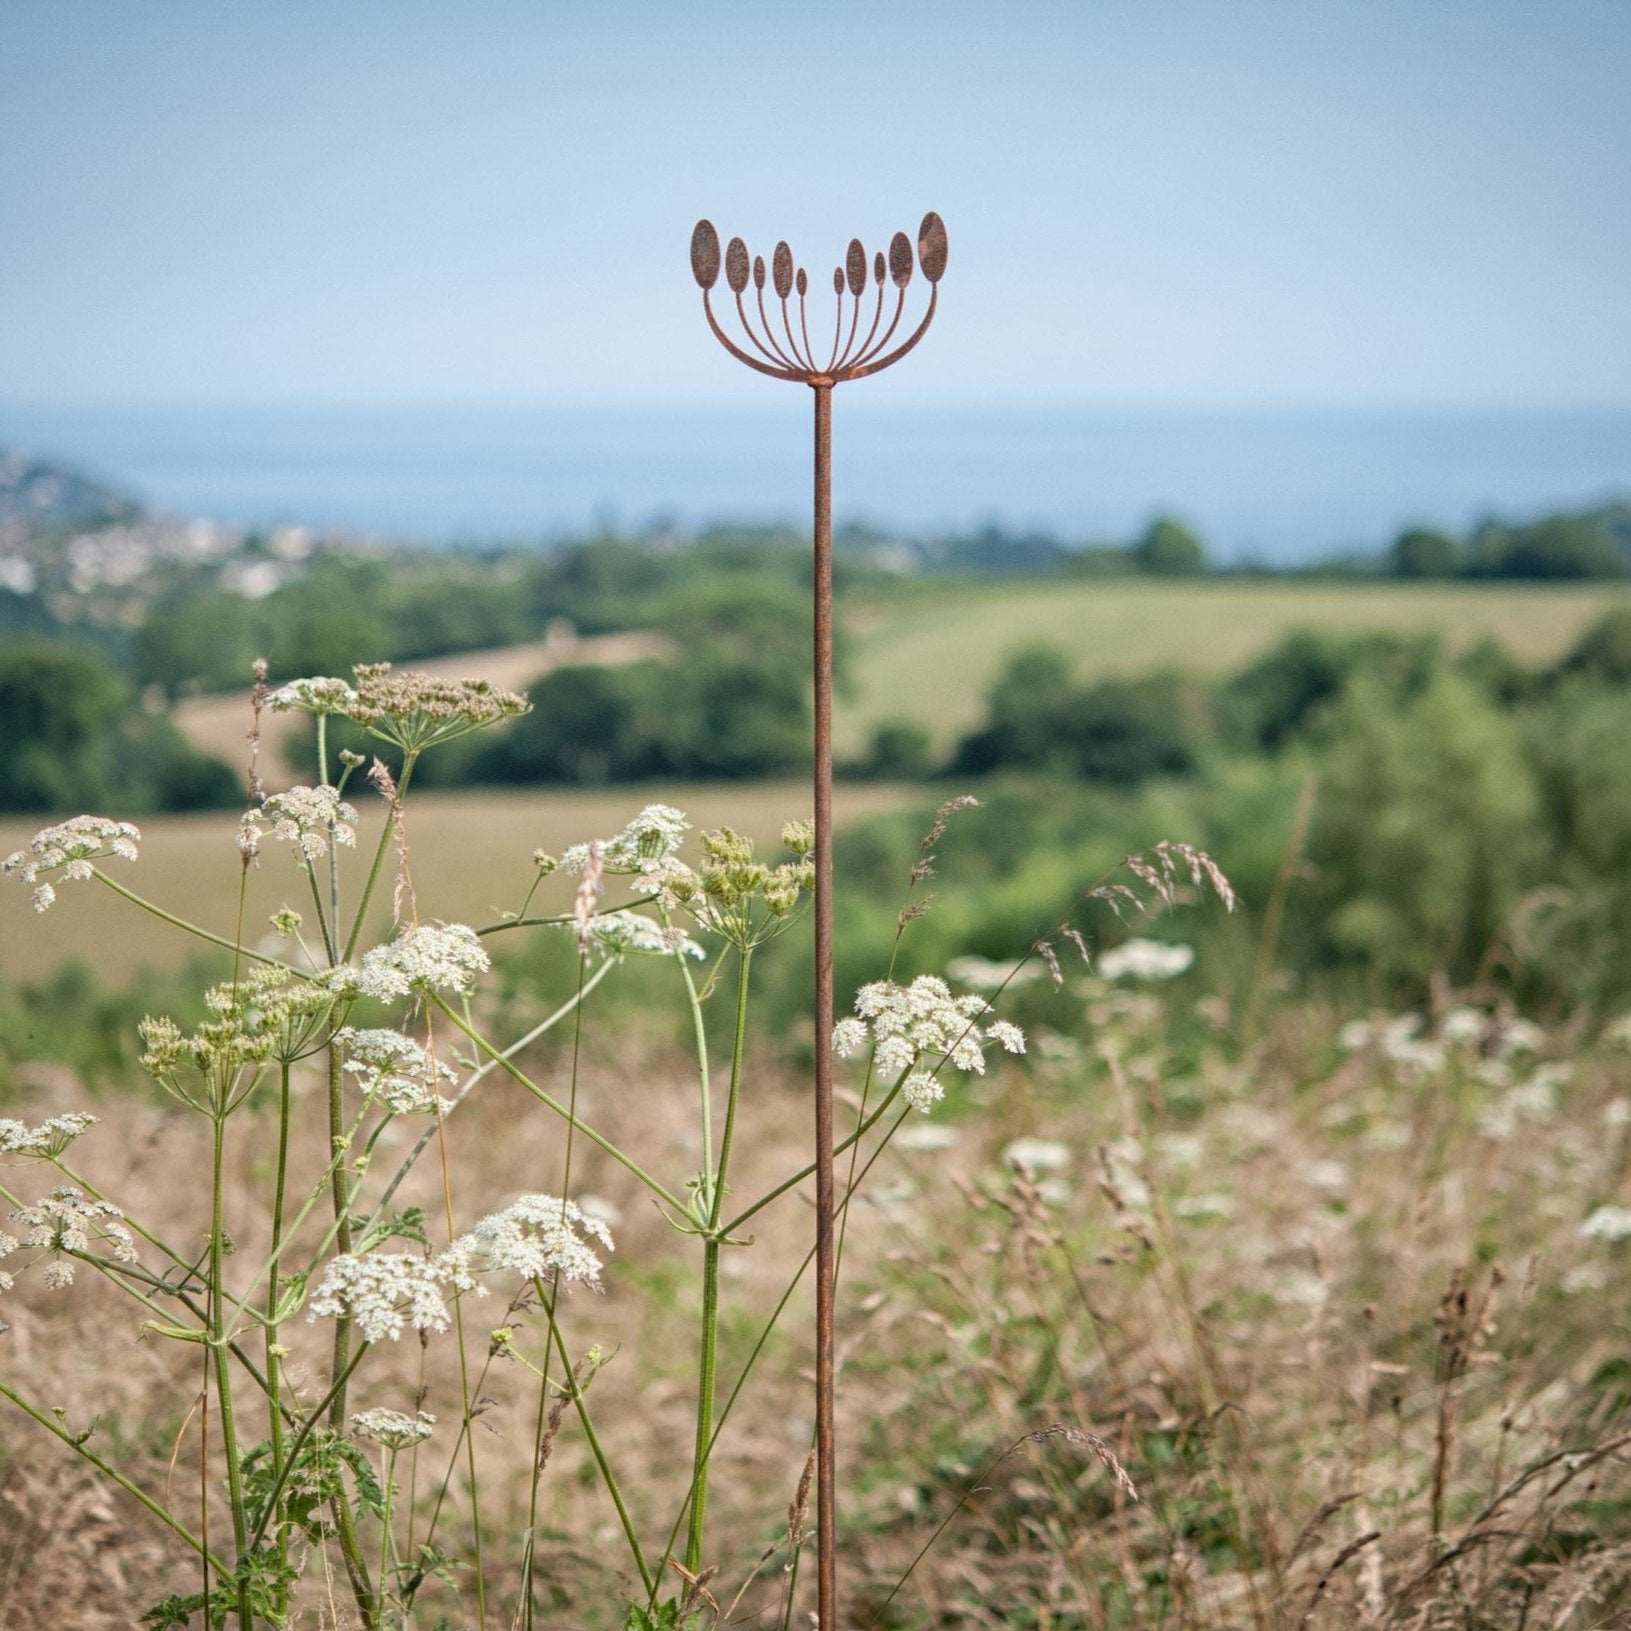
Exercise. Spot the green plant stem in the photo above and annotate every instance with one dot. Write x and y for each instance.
(174, 1525)
(525, 1040)
(554, 1291)
(274, 1360)
(385, 1532)
(601, 1142)
(146, 1234)
(560, 917)
(192, 928)
(804, 1172)
(699, 1032)
(647, 1579)
(708, 1359)
(409, 760)
(298, 1443)
(338, 1188)
(769, 1326)
(223, 1371)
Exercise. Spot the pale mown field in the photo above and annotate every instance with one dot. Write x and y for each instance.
(931, 654)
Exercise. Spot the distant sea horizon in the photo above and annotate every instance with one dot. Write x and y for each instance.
(1277, 485)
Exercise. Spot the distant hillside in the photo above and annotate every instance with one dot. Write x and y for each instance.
(41, 493)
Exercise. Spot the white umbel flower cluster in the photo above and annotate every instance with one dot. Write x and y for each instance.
(384, 1293)
(641, 848)
(907, 1024)
(48, 1140)
(394, 1070)
(620, 932)
(536, 1237)
(68, 1221)
(67, 851)
(1138, 959)
(429, 957)
(307, 817)
(317, 694)
(392, 1429)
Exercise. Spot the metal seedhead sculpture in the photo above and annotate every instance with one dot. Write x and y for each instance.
(789, 355)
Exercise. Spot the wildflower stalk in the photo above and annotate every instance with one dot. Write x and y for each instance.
(192, 928)
(409, 760)
(554, 1291)
(710, 1277)
(599, 1140)
(274, 1355)
(769, 1327)
(223, 1371)
(647, 1579)
(77, 1445)
(465, 1396)
(342, 1231)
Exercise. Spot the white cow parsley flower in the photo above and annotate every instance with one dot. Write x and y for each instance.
(620, 932)
(393, 1429)
(1037, 1154)
(395, 1070)
(307, 817)
(67, 851)
(445, 956)
(67, 1221)
(536, 1237)
(49, 1139)
(1145, 960)
(384, 1292)
(1608, 1223)
(912, 1024)
(654, 835)
(317, 694)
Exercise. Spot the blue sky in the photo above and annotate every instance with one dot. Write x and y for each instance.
(1153, 203)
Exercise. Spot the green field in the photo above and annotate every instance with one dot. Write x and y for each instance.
(471, 859)
(929, 652)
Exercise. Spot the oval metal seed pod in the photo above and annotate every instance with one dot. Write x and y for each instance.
(900, 260)
(855, 266)
(877, 268)
(758, 271)
(931, 247)
(781, 269)
(803, 283)
(705, 254)
(838, 280)
(736, 265)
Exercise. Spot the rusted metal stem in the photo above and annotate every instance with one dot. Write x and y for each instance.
(826, 1434)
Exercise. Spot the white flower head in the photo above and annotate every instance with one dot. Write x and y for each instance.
(916, 1029)
(384, 1293)
(67, 1221)
(621, 932)
(48, 1140)
(1608, 1223)
(317, 694)
(67, 852)
(649, 839)
(392, 1429)
(395, 1070)
(1035, 1155)
(428, 957)
(307, 817)
(1145, 960)
(535, 1237)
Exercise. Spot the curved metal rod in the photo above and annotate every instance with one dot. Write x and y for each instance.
(877, 312)
(854, 323)
(770, 332)
(905, 346)
(804, 329)
(771, 356)
(792, 344)
(736, 351)
(865, 355)
(837, 330)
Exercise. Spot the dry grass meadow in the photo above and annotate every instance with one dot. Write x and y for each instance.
(1329, 1308)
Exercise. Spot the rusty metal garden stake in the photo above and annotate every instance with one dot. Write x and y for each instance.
(791, 357)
